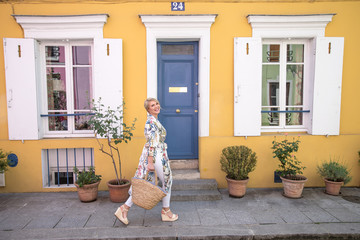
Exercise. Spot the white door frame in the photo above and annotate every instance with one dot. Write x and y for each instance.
(181, 28)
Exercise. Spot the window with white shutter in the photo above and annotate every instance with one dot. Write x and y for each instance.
(300, 77)
(52, 75)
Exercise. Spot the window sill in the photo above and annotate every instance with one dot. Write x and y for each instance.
(283, 130)
(74, 135)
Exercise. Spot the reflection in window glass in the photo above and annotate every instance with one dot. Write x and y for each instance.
(271, 53)
(56, 88)
(55, 55)
(81, 122)
(294, 118)
(294, 75)
(82, 87)
(295, 53)
(81, 55)
(58, 123)
(270, 83)
(270, 118)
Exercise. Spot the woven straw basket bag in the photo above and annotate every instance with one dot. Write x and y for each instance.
(146, 194)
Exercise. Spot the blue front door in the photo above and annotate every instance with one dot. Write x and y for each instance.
(178, 96)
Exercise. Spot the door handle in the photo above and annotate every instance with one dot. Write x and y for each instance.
(177, 110)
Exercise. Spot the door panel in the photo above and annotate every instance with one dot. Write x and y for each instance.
(177, 89)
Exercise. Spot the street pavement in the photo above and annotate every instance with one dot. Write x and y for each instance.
(260, 214)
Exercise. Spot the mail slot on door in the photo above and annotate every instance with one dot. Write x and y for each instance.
(178, 89)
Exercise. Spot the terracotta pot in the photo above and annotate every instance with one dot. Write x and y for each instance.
(237, 188)
(118, 193)
(88, 193)
(332, 188)
(293, 188)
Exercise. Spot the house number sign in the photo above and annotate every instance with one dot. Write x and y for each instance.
(177, 6)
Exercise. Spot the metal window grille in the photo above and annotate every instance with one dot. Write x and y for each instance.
(59, 163)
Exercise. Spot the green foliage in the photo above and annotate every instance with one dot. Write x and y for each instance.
(3, 161)
(285, 150)
(237, 162)
(109, 124)
(86, 177)
(334, 171)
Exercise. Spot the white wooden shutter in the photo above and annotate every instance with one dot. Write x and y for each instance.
(108, 69)
(20, 74)
(327, 86)
(247, 86)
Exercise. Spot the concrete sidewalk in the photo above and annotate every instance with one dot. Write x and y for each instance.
(261, 214)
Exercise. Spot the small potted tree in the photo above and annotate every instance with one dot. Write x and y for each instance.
(3, 166)
(87, 184)
(108, 123)
(237, 162)
(335, 175)
(290, 168)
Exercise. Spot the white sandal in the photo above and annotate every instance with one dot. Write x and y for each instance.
(166, 218)
(119, 214)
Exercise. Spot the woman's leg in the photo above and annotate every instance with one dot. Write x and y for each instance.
(129, 201)
(160, 173)
(166, 200)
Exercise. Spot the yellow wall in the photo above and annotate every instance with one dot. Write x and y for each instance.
(231, 22)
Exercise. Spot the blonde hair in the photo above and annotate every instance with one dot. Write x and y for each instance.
(148, 100)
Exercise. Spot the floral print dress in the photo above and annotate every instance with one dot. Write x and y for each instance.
(155, 146)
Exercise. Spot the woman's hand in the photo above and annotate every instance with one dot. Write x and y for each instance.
(150, 166)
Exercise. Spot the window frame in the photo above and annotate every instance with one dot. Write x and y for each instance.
(71, 132)
(307, 96)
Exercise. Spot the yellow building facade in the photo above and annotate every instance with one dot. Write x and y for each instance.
(226, 32)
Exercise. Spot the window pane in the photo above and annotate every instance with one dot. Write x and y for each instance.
(177, 49)
(294, 118)
(270, 85)
(270, 118)
(82, 87)
(81, 55)
(81, 122)
(58, 123)
(294, 85)
(271, 53)
(295, 53)
(56, 88)
(55, 55)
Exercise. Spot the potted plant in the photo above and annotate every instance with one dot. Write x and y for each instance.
(87, 184)
(3, 166)
(335, 175)
(237, 162)
(108, 123)
(290, 168)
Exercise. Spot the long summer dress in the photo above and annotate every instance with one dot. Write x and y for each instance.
(155, 146)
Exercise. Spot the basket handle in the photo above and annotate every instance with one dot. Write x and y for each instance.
(146, 176)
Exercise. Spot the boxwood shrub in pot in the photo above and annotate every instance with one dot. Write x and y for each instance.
(335, 175)
(237, 162)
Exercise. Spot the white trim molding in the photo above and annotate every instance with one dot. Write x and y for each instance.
(62, 26)
(287, 26)
(181, 28)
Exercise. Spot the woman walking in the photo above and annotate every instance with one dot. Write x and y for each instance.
(153, 158)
